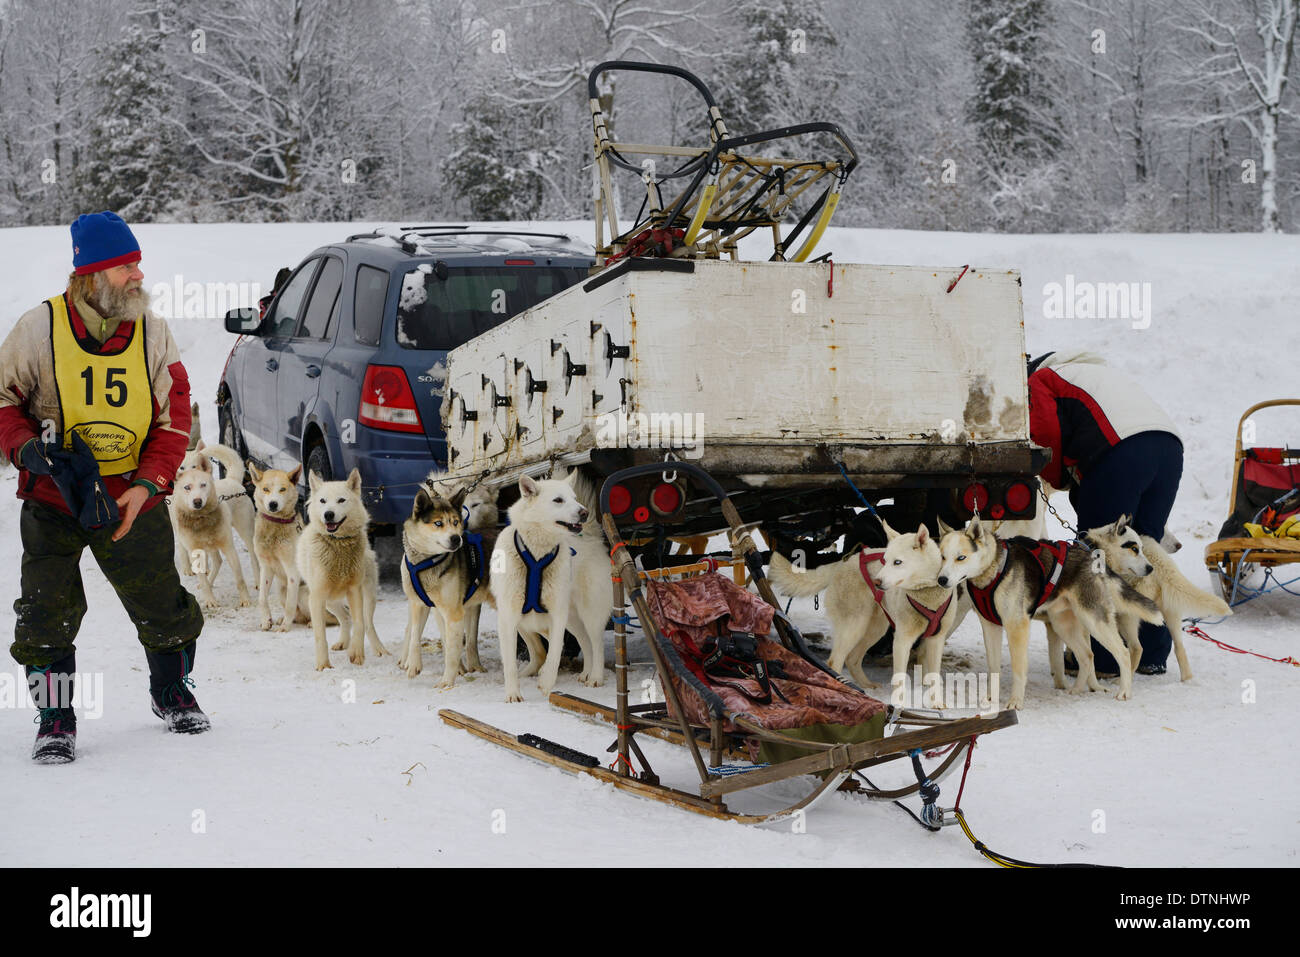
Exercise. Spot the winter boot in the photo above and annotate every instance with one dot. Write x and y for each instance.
(51, 690)
(169, 691)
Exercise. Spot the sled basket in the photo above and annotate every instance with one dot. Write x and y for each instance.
(1265, 493)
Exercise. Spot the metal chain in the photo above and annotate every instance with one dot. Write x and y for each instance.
(1042, 493)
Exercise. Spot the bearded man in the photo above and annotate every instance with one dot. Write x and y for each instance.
(95, 413)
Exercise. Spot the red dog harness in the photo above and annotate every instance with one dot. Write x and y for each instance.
(932, 617)
(1051, 561)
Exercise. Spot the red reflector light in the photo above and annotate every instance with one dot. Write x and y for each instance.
(620, 500)
(975, 498)
(997, 511)
(387, 401)
(642, 514)
(520, 262)
(666, 498)
(1019, 497)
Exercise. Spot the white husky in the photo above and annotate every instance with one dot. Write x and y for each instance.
(906, 571)
(336, 561)
(203, 530)
(550, 573)
(1143, 564)
(230, 491)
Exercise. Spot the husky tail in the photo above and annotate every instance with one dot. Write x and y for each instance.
(799, 583)
(228, 458)
(1191, 601)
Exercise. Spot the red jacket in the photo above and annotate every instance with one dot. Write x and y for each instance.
(165, 442)
(1080, 409)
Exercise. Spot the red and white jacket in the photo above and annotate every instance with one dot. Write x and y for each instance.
(1080, 408)
(28, 396)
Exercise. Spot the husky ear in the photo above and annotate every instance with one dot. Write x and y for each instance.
(200, 447)
(922, 535)
(457, 498)
(1120, 524)
(944, 529)
(572, 478)
(890, 534)
(974, 529)
(254, 471)
(204, 465)
(527, 487)
(354, 480)
(295, 474)
(313, 481)
(423, 499)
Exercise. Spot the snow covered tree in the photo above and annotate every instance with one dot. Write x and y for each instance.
(781, 72)
(1250, 56)
(494, 167)
(1011, 107)
(130, 164)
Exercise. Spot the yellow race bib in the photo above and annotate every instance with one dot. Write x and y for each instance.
(107, 399)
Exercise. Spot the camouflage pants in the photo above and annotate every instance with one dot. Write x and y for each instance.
(140, 567)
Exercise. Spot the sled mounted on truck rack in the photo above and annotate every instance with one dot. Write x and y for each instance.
(750, 709)
(723, 192)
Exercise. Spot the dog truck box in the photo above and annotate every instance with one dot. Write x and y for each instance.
(770, 375)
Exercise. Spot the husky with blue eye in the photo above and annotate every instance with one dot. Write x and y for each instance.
(444, 572)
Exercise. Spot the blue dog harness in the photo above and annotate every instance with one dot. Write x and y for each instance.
(475, 543)
(535, 566)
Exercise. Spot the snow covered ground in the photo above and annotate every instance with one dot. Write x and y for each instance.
(352, 767)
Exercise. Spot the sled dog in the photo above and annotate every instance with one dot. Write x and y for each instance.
(871, 589)
(1011, 580)
(230, 490)
(1147, 567)
(550, 573)
(335, 561)
(204, 530)
(444, 571)
(479, 513)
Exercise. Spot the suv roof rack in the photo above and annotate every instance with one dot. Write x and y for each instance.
(433, 238)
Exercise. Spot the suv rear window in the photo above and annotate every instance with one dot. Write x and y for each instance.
(441, 314)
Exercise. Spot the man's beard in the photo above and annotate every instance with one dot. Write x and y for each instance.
(125, 303)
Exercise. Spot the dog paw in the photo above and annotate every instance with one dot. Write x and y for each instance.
(338, 645)
(1122, 694)
(512, 697)
(357, 659)
(1015, 704)
(266, 622)
(595, 682)
(245, 601)
(414, 669)
(282, 624)
(322, 667)
(444, 683)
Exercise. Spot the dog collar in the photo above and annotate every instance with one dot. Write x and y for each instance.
(278, 521)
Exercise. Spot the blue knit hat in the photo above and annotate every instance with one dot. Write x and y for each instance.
(102, 241)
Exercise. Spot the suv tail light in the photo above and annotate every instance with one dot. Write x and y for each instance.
(387, 401)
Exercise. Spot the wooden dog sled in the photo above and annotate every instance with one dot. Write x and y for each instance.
(775, 723)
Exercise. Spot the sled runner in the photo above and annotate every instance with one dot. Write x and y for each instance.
(1263, 525)
(745, 696)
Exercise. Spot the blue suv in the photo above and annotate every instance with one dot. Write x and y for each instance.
(347, 367)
